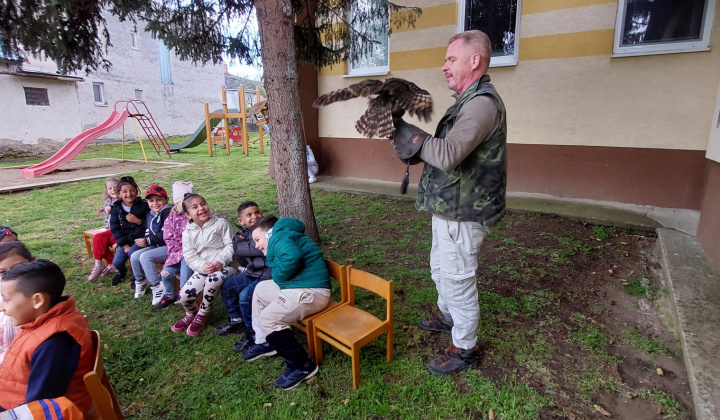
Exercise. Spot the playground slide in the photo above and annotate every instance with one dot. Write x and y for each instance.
(74, 146)
(200, 135)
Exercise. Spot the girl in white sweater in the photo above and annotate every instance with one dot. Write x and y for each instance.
(208, 251)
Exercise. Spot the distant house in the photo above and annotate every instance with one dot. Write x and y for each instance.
(39, 104)
(606, 100)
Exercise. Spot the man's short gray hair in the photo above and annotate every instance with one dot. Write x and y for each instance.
(478, 41)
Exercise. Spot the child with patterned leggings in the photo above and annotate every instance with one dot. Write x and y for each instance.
(207, 249)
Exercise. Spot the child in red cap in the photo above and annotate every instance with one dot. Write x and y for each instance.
(152, 246)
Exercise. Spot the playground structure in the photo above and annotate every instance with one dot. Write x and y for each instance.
(135, 109)
(219, 135)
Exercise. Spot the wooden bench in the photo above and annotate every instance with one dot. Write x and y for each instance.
(88, 235)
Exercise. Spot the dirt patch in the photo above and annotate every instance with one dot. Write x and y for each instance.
(555, 310)
(76, 170)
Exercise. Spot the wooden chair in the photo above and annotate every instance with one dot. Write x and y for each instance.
(339, 273)
(98, 384)
(349, 328)
(88, 235)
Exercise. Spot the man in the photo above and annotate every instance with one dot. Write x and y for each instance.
(463, 185)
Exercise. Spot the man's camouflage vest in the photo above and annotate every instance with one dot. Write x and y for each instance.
(475, 189)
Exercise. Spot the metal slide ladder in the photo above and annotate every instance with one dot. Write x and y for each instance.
(140, 113)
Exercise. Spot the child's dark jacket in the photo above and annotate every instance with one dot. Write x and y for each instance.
(250, 257)
(154, 223)
(126, 232)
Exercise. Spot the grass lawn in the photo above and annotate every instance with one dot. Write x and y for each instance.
(559, 331)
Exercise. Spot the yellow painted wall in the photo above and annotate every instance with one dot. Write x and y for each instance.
(567, 89)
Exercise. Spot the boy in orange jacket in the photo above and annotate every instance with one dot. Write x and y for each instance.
(53, 350)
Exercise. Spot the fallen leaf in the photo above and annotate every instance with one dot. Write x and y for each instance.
(602, 411)
(267, 405)
(292, 404)
(411, 344)
(106, 347)
(610, 271)
(660, 372)
(226, 371)
(632, 272)
(612, 303)
(406, 327)
(346, 401)
(213, 415)
(197, 353)
(661, 409)
(593, 273)
(311, 380)
(200, 368)
(623, 243)
(491, 414)
(571, 416)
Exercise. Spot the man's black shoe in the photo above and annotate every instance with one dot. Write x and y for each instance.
(117, 279)
(243, 343)
(435, 323)
(453, 360)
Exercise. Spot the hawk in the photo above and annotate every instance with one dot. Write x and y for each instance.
(386, 97)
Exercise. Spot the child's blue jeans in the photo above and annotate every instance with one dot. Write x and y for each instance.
(121, 258)
(237, 294)
(173, 270)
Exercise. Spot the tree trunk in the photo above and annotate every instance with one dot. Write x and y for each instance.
(276, 20)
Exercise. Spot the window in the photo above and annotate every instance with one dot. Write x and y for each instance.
(500, 20)
(663, 26)
(165, 76)
(138, 94)
(99, 94)
(374, 60)
(134, 38)
(36, 96)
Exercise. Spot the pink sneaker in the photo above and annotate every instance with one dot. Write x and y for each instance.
(96, 272)
(197, 325)
(183, 323)
(109, 269)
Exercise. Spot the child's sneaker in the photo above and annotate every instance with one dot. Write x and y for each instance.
(292, 377)
(230, 327)
(257, 351)
(183, 323)
(157, 293)
(95, 272)
(166, 301)
(243, 343)
(197, 325)
(141, 287)
(109, 269)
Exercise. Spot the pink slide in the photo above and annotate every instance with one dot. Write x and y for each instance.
(74, 146)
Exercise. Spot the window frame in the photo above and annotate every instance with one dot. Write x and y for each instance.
(136, 94)
(36, 90)
(502, 61)
(368, 71)
(103, 99)
(703, 44)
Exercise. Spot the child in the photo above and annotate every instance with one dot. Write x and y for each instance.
(7, 234)
(300, 287)
(152, 246)
(11, 254)
(104, 241)
(207, 248)
(237, 291)
(127, 223)
(172, 234)
(54, 348)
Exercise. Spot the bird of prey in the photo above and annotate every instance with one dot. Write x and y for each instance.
(388, 97)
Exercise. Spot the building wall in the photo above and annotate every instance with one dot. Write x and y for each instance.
(177, 108)
(615, 127)
(709, 228)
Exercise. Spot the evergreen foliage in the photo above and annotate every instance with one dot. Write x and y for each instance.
(73, 33)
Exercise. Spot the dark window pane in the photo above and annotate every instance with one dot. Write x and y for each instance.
(36, 96)
(661, 21)
(497, 19)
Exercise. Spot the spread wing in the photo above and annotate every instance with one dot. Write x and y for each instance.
(376, 122)
(364, 88)
(406, 95)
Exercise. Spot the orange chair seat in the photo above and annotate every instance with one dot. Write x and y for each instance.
(353, 322)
